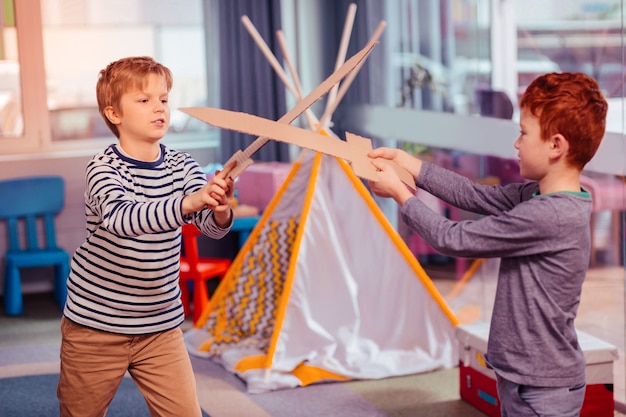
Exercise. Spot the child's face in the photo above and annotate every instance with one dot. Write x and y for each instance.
(145, 113)
(532, 150)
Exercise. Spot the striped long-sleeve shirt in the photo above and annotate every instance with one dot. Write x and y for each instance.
(124, 277)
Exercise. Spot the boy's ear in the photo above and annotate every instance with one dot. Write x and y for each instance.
(112, 115)
(559, 146)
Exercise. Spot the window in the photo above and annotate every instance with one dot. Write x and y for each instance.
(77, 39)
(582, 36)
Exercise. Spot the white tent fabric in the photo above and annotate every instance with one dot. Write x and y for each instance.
(355, 304)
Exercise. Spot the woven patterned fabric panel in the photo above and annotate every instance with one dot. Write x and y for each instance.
(245, 315)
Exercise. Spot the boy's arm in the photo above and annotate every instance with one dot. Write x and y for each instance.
(121, 212)
(451, 187)
(466, 194)
(523, 230)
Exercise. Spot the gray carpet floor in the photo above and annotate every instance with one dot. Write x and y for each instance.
(26, 396)
(29, 363)
(29, 347)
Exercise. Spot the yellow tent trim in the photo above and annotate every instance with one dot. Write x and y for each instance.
(239, 258)
(282, 307)
(311, 374)
(305, 373)
(251, 362)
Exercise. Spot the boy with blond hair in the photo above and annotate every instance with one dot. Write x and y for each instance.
(539, 229)
(123, 311)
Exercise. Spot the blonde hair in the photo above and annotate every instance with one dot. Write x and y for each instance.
(123, 75)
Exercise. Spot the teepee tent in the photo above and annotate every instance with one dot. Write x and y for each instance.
(324, 289)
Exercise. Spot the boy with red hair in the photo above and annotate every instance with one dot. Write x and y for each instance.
(539, 229)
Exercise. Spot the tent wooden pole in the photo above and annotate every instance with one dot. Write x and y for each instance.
(346, 83)
(271, 58)
(292, 68)
(258, 39)
(310, 116)
(311, 119)
(341, 53)
(283, 76)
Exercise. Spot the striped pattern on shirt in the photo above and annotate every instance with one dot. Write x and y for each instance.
(125, 277)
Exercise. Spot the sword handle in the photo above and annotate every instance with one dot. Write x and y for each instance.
(235, 165)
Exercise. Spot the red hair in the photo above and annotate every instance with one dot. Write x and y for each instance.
(572, 105)
(121, 76)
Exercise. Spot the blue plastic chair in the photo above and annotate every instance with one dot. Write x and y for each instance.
(33, 202)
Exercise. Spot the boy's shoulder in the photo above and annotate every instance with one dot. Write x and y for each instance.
(174, 154)
(105, 155)
(562, 205)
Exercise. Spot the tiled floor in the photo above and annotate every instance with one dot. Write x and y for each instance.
(601, 311)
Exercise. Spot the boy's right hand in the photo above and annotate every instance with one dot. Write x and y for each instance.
(216, 192)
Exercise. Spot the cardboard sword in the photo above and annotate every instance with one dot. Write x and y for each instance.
(354, 149)
(243, 158)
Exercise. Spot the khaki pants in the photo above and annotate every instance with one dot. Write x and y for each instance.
(93, 364)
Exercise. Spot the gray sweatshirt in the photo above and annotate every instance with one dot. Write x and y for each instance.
(544, 245)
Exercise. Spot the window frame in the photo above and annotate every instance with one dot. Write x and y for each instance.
(36, 133)
(36, 138)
